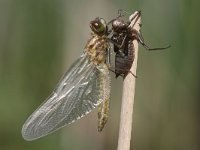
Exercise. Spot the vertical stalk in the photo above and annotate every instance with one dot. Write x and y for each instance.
(128, 101)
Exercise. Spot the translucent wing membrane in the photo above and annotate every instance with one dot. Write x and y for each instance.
(81, 89)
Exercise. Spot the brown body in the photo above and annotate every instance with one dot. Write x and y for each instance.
(124, 62)
(122, 38)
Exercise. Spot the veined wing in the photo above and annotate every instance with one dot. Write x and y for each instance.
(81, 89)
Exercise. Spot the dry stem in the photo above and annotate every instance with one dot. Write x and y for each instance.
(127, 102)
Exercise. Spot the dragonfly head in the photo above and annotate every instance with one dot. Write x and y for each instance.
(99, 26)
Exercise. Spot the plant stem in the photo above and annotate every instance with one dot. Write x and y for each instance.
(128, 101)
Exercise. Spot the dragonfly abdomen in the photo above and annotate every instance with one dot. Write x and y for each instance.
(103, 108)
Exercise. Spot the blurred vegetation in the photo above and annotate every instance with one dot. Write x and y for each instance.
(40, 39)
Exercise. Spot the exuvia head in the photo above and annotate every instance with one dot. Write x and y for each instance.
(99, 26)
(119, 25)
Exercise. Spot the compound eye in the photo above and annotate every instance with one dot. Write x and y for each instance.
(98, 26)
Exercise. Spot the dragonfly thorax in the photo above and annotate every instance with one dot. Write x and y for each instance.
(96, 48)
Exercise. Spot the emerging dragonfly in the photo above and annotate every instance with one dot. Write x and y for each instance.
(122, 37)
(84, 86)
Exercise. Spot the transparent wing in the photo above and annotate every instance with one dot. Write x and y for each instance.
(81, 89)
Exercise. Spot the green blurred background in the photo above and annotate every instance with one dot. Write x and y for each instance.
(40, 39)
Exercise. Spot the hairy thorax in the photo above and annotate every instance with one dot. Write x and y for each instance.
(96, 49)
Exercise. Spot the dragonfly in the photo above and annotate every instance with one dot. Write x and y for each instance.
(85, 86)
(123, 36)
